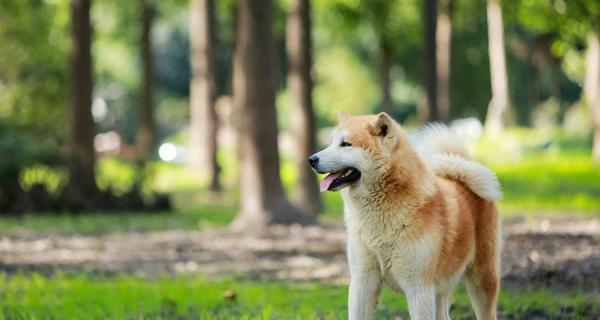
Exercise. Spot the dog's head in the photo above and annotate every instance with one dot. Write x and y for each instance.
(361, 147)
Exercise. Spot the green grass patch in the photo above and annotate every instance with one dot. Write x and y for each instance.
(192, 218)
(81, 297)
(550, 183)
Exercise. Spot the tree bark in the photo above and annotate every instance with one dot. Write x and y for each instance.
(386, 78)
(430, 67)
(591, 88)
(498, 108)
(443, 54)
(299, 47)
(146, 135)
(263, 200)
(203, 91)
(81, 142)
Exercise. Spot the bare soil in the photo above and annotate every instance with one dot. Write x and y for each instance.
(562, 253)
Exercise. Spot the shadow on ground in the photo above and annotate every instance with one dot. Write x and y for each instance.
(557, 253)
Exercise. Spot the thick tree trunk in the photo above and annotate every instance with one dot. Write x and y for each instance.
(299, 45)
(443, 54)
(263, 200)
(430, 67)
(591, 88)
(81, 137)
(498, 108)
(203, 91)
(386, 78)
(146, 132)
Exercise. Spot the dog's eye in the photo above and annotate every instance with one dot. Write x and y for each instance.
(345, 144)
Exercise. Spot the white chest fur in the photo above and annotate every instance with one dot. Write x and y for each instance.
(379, 240)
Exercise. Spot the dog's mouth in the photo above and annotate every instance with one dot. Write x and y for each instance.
(340, 179)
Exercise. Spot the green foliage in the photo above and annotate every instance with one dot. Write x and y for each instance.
(565, 23)
(119, 176)
(121, 297)
(53, 179)
(33, 69)
(340, 73)
(20, 150)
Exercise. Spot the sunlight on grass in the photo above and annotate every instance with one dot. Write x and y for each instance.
(192, 218)
(70, 297)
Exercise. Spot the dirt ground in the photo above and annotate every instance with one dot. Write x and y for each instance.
(561, 253)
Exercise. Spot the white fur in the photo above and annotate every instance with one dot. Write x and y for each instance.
(444, 152)
(437, 138)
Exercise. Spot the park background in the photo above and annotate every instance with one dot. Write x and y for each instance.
(154, 152)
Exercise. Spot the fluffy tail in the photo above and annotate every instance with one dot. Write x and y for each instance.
(445, 153)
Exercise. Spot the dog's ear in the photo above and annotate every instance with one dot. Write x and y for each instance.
(382, 125)
(341, 116)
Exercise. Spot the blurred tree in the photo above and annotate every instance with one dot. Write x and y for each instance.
(263, 200)
(430, 62)
(82, 157)
(203, 90)
(146, 134)
(573, 25)
(299, 81)
(382, 17)
(380, 13)
(498, 109)
(591, 88)
(443, 47)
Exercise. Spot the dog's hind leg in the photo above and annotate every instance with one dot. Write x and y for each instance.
(482, 278)
(483, 293)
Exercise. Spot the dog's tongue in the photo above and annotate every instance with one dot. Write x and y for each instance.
(328, 180)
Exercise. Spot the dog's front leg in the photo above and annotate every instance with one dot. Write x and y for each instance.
(362, 297)
(365, 282)
(421, 303)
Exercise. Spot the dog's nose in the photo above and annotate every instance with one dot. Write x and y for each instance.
(313, 160)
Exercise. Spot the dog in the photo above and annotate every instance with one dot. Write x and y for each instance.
(420, 216)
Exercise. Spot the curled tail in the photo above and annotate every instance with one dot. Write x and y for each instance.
(445, 153)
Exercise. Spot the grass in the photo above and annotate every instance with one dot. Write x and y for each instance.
(550, 183)
(83, 297)
(193, 218)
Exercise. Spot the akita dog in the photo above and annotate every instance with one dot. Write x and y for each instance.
(418, 217)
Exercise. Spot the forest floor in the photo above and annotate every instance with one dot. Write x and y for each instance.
(557, 252)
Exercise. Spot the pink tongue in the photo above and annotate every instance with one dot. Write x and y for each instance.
(328, 180)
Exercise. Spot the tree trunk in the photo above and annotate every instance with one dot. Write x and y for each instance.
(386, 78)
(81, 142)
(146, 131)
(299, 46)
(203, 91)
(443, 53)
(591, 89)
(263, 201)
(498, 108)
(430, 16)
